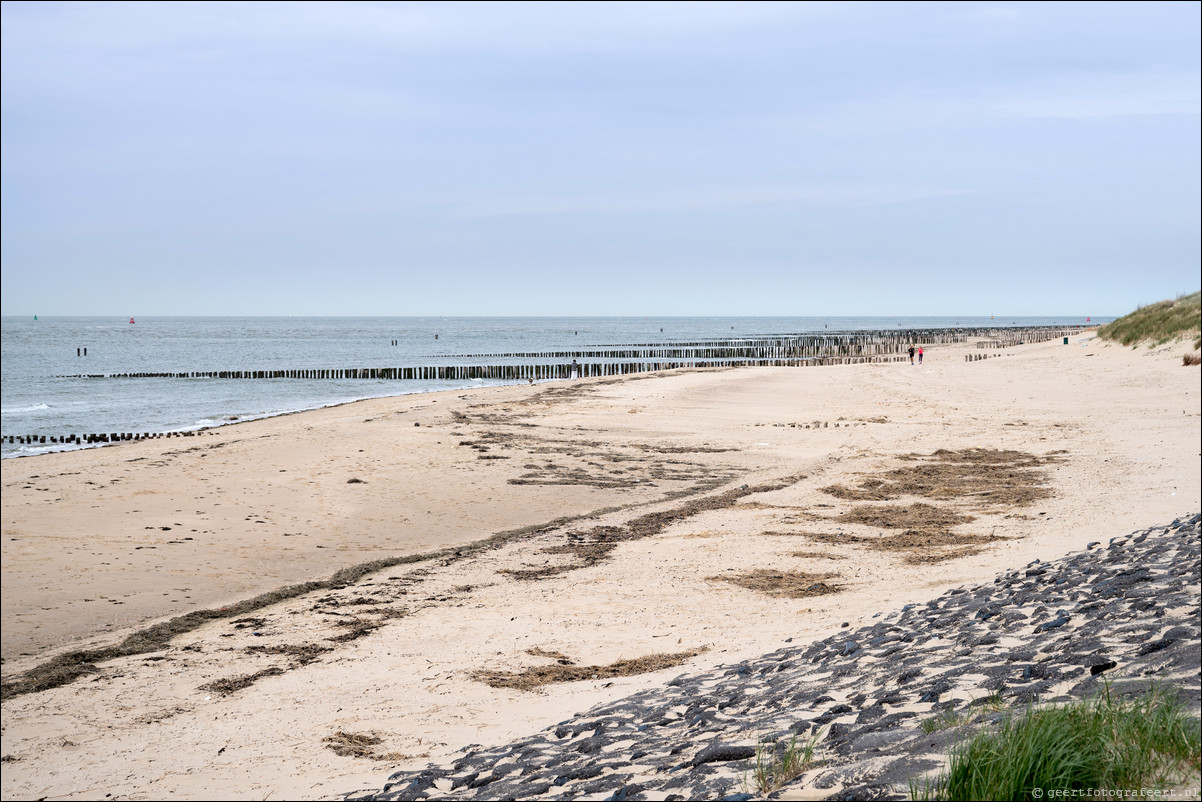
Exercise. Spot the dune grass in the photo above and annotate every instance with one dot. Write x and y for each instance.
(777, 762)
(1159, 323)
(947, 719)
(1148, 742)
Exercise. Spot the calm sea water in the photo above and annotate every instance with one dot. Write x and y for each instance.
(39, 355)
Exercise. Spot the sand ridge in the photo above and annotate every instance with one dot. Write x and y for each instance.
(242, 706)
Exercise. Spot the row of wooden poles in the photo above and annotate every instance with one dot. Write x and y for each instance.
(113, 437)
(794, 348)
(1009, 339)
(801, 351)
(791, 346)
(502, 372)
(978, 357)
(523, 372)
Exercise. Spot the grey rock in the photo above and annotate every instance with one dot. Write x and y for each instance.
(721, 753)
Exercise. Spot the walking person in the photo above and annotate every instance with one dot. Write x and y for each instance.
(920, 354)
(575, 369)
(911, 355)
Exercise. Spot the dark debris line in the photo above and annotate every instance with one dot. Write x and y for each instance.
(1126, 612)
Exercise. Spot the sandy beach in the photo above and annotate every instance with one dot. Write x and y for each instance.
(685, 519)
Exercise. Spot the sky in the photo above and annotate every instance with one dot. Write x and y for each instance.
(795, 159)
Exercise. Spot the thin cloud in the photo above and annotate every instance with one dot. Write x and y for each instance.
(1099, 96)
(819, 195)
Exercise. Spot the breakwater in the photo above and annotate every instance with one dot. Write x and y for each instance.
(777, 351)
(89, 439)
(802, 346)
(518, 372)
(884, 702)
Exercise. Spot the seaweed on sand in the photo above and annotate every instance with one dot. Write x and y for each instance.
(70, 666)
(788, 584)
(537, 676)
(592, 546)
(984, 477)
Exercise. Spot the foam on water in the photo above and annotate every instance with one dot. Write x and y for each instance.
(20, 410)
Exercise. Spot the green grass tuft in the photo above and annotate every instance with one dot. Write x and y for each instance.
(951, 717)
(946, 720)
(1159, 323)
(777, 762)
(1095, 744)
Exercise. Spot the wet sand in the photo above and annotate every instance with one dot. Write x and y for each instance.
(633, 517)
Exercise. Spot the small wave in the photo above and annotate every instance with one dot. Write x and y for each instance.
(34, 451)
(18, 410)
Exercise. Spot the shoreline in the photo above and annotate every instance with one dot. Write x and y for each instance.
(800, 353)
(187, 431)
(122, 518)
(651, 569)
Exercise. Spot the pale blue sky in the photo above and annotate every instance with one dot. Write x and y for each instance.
(599, 158)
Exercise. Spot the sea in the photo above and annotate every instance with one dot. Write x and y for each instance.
(50, 365)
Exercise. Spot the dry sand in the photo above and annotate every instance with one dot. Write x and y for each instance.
(638, 512)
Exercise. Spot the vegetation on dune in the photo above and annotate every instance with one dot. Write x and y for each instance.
(1159, 323)
(777, 762)
(951, 717)
(1101, 743)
